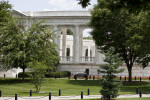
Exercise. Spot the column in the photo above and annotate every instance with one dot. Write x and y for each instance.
(97, 55)
(57, 38)
(71, 52)
(64, 43)
(55, 30)
(81, 44)
(88, 53)
(76, 44)
(58, 41)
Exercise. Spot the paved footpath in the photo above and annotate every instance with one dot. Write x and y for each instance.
(70, 97)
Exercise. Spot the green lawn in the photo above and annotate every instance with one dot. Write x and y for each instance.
(134, 99)
(10, 86)
(147, 98)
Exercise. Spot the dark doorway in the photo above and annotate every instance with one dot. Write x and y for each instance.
(87, 71)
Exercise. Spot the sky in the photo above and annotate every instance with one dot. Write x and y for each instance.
(50, 5)
(46, 5)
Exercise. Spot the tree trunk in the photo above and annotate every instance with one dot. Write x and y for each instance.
(129, 73)
(23, 74)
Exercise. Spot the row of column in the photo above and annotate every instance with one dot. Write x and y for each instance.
(77, 43)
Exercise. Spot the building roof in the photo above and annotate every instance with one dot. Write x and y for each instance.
(58, 13)
(53, 13)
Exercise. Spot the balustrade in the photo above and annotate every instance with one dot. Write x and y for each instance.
(66, 58)
(70, 59)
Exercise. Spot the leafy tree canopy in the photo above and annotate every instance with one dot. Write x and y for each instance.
(133, 6)
(121, 30)
(84, 3)
(19, 46)
(5, 8)
(69, 32)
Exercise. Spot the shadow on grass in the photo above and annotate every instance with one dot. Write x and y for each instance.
(9, 81)
(143, 86)
(135, 83)
(85, 82)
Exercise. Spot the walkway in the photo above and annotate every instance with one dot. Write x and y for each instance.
(71, 97)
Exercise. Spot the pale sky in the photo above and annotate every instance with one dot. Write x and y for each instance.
(50, 5)
(44, 5)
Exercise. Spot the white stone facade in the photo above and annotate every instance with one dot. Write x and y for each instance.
(10, 73)
(80, 68)
(77, 61)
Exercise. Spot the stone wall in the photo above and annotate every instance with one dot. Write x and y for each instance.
(10, 73)
(93, 69)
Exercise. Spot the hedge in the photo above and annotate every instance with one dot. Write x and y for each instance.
(26, 75)
(47, 75)
(58, 74)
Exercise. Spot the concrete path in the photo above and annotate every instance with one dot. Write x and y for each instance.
(71, 97)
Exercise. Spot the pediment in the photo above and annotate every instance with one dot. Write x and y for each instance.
(17, 13)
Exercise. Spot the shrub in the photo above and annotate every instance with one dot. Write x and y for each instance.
(38, 69)
(57, 74)
(110, 86)
(26, 75)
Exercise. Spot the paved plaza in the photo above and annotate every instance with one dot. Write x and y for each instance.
(71, 97)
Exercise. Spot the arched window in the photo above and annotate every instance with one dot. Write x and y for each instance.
(69, 32)
(86, 34)
(86, 53)
(68, 52)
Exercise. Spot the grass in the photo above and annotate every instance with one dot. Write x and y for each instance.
(10, 86)
(145, 98)
(68, 87)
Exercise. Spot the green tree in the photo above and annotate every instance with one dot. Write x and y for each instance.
(69, 32)
(19, 46)
(5, 8)
(42, 46)
(122, 31)
(133, 6)
(109, 85)
(11, 43)
(38, 70)
(145, 46)
(87, 38)
(84, 3)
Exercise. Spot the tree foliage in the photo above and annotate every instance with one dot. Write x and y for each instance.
(109, 85)
(11, 43)
(144, 58)
(69, 32)
(88, 38)
(5, 8)
(38, 70)
(122, 31)
(42, 46)
(84, 3)
(133, 6)
(19, 46)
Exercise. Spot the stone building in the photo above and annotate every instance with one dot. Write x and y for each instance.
(77, 55)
